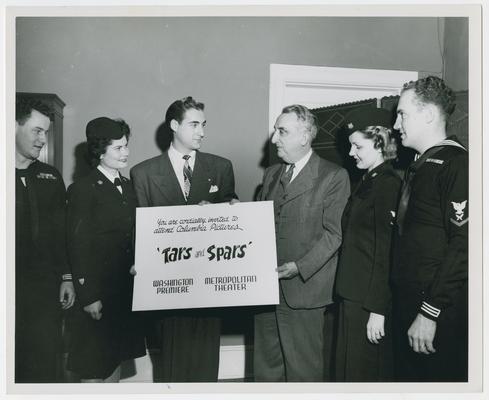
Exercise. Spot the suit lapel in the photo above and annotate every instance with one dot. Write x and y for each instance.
(167, 183)
(128, 191)
(201, 180)
(305, 180)
(270, 185)
(105, 186)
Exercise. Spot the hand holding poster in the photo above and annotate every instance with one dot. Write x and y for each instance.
(214, 255)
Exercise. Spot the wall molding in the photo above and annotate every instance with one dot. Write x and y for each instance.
(316, 86)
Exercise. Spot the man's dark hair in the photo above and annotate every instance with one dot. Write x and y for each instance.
(178, 109)
(433, 90)
(97, 146)
(24, 106)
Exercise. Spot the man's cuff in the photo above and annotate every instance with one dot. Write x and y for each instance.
(299, 271)
(429, 311)
(67, 277)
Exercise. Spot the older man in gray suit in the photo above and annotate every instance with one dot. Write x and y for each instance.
(309, 195)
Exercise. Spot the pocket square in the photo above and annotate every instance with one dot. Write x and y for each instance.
(213, 189)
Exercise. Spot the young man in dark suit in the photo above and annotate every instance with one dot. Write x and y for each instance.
(309, 196)
(183, 175)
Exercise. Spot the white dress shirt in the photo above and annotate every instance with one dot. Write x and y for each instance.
(110, 177)
(177, 162)
(299, 165)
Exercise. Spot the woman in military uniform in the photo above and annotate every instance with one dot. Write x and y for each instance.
(101, 216)
(364, 349)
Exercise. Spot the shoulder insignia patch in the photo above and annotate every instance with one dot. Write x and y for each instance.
(459, 209)
(45, 175)
(435, 161)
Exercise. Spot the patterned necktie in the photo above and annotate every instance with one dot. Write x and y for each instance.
(287, 176)
(187, 176)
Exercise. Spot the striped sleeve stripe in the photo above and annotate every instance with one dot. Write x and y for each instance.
(66, 277)
(435, 312)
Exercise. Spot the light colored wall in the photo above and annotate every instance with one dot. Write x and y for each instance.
(135, 67)
(456, 53)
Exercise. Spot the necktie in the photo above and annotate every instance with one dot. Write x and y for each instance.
(118, 184)
(287, 176)
(407, 186)
(32, 198)
(405, 194)
(187, 176)
(22, 174)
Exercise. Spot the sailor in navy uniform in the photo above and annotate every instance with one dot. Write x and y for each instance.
(101, 215)
(431, 253)
(43, 285)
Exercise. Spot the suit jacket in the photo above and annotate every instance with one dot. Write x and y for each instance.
(365, 257)
(156, 184)
(308, 228)
(100, 232)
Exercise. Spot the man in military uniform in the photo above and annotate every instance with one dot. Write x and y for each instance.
(43, 284)
(431, 252)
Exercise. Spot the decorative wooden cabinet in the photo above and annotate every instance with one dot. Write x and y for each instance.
(52, 152)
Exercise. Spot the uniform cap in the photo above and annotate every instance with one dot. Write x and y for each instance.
(359, 119)
(104, 128)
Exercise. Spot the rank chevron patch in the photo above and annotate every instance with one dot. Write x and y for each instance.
(459, 209)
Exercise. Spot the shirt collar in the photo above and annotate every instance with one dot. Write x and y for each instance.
(448, 141)
(107, 174)
(377, 170)
(303, 161)
(174, 154)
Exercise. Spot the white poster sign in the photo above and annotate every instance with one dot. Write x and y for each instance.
(214, 255)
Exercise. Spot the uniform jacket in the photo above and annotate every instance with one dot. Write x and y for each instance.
(308, 228)
(432, 253)
(365, 257)
(40, 225)
(156, 184)
(101, 222)
(40, 263)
